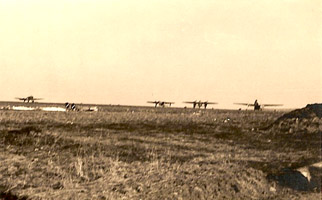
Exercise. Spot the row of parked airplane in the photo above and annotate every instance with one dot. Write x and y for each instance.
(194, 103)
(199, 103)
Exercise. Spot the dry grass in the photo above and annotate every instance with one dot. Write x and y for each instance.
(143, 153)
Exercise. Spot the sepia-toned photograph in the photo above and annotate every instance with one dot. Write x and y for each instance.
(160, 99)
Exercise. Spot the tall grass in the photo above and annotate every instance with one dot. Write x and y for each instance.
(140, 154)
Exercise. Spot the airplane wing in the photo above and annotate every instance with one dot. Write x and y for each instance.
(189, 102)
(38, 98)
(20, 98)
(244, 104)
(169, 102)
(152, 101)
(272, 105)
(211, 102)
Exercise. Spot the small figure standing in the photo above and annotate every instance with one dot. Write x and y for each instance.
(67, 105)
(73, 106)
(256, 105)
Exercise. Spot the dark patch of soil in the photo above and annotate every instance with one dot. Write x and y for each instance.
(8, 195)
(291, 178)
(22, 136)
(25, 130)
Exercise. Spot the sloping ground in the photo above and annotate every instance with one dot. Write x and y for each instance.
(53, 166)
(197, 179)
(303, 127)
(145, 155)
(309, 112)
(300, 121)
(46, 168)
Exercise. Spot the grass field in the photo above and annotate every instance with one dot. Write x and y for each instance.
(147, 153)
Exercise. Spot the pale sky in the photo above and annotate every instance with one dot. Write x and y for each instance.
(132, 51)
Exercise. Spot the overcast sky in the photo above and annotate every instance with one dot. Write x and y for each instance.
(129, 52)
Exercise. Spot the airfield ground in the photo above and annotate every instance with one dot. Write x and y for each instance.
(147, 153)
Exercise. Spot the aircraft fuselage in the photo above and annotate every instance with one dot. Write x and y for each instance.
(28, 99)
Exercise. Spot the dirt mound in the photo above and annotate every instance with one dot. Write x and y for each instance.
(310, 111)
(304, 120)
